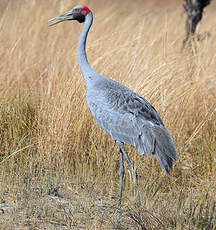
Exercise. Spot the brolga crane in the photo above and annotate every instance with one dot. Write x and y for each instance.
(194, 10)
(123, 114)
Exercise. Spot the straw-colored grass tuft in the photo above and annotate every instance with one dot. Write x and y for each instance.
(58, 169)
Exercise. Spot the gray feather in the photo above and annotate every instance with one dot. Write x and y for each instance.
(127, 117)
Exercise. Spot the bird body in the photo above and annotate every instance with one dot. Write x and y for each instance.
(120, 112)
(129, 118)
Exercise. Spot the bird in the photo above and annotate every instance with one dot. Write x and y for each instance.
(124, 115)
(194, 10)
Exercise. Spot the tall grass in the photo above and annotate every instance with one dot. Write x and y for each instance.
(50, 142)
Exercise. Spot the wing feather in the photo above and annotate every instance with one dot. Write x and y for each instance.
(129, 118)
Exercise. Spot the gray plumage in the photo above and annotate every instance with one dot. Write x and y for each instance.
(123, 114)
(127, 117)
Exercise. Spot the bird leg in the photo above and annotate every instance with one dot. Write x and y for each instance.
(132, 171)
(121, 176)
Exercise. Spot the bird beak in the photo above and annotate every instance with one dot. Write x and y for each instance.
(64, 17)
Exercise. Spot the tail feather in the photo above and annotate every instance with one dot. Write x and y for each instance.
(166, 162)
(157, 140)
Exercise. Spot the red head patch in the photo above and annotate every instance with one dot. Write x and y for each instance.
(85, 10)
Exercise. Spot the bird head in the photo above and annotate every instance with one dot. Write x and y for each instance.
(77, 13)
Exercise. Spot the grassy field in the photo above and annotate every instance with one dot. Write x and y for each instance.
(58, 169)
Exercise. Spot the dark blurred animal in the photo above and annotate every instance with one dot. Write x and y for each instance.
(194, 10)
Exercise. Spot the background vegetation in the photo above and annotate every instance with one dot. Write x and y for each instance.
(58, 169)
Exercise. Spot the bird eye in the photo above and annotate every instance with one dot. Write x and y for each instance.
(83, 12)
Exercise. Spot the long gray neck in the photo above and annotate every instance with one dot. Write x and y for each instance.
(85, 68)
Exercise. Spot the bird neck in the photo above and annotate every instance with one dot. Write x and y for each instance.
(82, 58)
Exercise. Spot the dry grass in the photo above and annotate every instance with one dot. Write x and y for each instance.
(58, 170)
